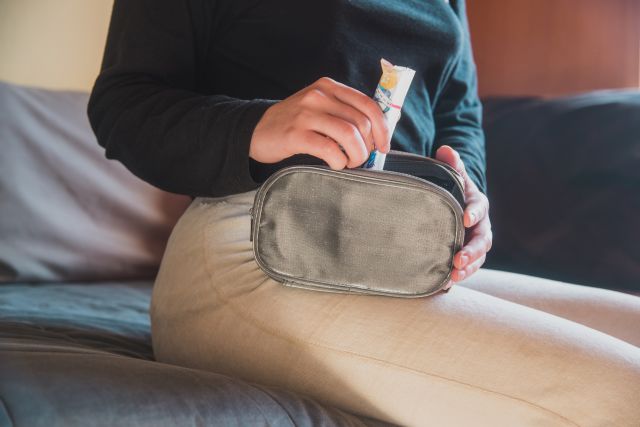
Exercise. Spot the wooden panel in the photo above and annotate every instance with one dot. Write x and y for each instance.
(554, 47)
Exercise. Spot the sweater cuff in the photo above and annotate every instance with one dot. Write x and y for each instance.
(239, 153)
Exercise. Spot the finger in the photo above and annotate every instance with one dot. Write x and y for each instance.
(461, 274)
(457, 275)
(354, 116)
(342, 132)
(476, 210)
(366, 105)
(322, 147)
(479, 244)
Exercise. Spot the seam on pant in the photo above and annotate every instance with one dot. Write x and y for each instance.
(247, 316)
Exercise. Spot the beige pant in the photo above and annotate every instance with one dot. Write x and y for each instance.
(498, 350)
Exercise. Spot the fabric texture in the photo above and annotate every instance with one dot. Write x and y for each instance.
(66, 213)
(73, 354)
(565, 186)
(183, 84)
(465, 357)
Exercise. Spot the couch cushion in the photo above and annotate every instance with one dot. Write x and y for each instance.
(64, 386)
(110, 316)
(72, 354)
(564, 184)
(68, 213)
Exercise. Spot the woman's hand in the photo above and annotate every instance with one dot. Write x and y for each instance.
(479, 237)
(319, 120)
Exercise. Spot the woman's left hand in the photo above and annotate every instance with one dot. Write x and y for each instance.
(478, 238)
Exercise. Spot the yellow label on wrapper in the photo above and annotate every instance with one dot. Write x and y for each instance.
(387, 84)
(390, 94)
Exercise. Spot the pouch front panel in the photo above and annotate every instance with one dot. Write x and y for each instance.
(357, 233)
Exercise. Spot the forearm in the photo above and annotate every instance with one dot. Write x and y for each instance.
(177, 140)
(148, 112)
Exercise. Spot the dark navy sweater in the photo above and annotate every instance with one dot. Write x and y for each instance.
(184, 83)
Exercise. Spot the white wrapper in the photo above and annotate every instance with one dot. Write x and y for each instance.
(390, 94)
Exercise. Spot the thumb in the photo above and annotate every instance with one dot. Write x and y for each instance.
(451, 157)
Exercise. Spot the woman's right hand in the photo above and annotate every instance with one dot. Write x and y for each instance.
(318, 120)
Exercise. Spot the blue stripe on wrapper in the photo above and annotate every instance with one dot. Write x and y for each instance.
(371, 160)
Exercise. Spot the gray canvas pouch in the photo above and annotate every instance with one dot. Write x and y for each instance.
(392, 232)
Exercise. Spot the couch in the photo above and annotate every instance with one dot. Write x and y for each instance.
(81, 239)
(564, 184)
(80, 242)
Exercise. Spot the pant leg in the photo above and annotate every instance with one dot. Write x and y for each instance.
(614, 313)
(456, 359)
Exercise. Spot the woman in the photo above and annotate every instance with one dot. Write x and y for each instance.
(188, 98)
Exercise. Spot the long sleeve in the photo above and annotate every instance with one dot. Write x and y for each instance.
(458, 111)
(147, 113)
(184, 83)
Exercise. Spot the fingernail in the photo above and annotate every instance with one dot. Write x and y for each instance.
(464, 260)
(472, 218)
(461, 274)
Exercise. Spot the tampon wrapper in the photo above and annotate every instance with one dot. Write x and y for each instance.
(390, 94)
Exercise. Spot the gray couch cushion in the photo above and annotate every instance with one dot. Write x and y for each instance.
(564, 184)
(72, 354)
(110, 316)
(64, 385)
(66, 212)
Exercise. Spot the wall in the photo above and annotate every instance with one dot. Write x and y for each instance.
(547, 47)
(555, 47)
(52, 43)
